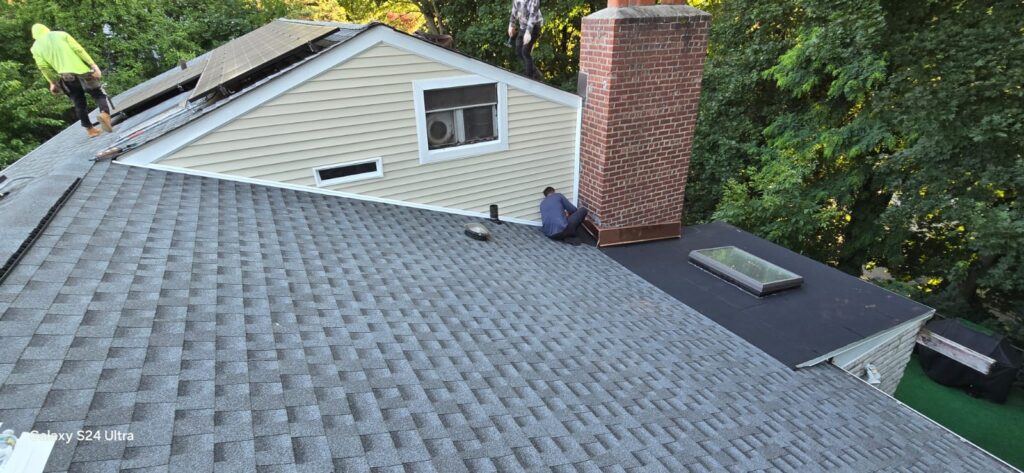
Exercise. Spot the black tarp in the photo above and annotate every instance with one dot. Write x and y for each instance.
(995, 386)
(831, 310)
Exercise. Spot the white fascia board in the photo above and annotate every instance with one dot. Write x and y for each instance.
(315, 190)
(218, 117)
(868, 342)
(207, 123)
(450, 58)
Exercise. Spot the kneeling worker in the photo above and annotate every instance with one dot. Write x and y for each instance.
(561, 220)
(70, 69)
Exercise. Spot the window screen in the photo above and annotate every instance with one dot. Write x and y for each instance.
(460, 97)
(347, 170)
(478, 123)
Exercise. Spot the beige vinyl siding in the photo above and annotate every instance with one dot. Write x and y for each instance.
(363, 109)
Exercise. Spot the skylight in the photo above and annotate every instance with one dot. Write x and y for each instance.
(745, 270)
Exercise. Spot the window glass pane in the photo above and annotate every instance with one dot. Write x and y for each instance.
(747, 264)
(458, 97)
(479, 123)
(441, 129)
(345, 171)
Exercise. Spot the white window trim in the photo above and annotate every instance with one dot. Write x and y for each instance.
(428, 155)
(355, 177)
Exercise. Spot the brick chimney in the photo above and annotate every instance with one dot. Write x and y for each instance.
(640, 72)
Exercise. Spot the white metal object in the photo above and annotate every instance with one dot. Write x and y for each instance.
(874, 378)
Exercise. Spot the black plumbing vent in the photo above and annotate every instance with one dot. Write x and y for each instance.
(26, 245)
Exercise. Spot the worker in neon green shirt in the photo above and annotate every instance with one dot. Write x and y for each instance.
(70, 69)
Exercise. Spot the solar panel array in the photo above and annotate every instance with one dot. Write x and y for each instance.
(160, 85)
(255, 49)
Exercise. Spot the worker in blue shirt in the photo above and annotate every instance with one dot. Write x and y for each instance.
(560, 219)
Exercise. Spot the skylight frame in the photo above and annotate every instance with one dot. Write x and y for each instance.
(743, 280)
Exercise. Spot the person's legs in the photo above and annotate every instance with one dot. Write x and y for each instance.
(519, 46)
(527, 54)
(525, 51)
(77, 96)
(95, 88)
(575, 220)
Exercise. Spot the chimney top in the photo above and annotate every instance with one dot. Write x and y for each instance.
(642, 3)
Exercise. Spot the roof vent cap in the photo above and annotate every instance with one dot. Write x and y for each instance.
(477, 231)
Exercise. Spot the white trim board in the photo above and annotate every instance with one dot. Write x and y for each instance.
(347, 195)
(177, 139)
(576, 162)
(955, 351)
(875, 339)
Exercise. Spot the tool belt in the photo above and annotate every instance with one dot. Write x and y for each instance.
(87, 80)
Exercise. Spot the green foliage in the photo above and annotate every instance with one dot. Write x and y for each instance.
(480, 29)
(28, 113)
(874, 133)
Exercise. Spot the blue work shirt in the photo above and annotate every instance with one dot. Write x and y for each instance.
(552, 213)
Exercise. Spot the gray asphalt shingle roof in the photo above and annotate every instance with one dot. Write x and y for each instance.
(235, 327)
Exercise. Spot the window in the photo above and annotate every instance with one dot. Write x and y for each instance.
(460, 117)
(745, 270)
(348, 172)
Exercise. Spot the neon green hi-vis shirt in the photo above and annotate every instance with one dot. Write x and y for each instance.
(56, 53)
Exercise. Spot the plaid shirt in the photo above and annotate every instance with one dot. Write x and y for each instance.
(526, 13)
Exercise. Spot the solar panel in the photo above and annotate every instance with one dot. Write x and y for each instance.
(161, 84)
(255, 49)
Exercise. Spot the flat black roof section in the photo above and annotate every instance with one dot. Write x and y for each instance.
(829, 311)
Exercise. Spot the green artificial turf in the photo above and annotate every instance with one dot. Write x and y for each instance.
(998, 428)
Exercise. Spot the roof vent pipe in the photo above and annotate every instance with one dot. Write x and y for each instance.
(494, 214)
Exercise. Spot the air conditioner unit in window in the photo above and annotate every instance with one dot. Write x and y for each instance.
(440, 128)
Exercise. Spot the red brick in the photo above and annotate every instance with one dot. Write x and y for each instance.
(644, 85)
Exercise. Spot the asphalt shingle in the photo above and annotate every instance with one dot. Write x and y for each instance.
(232, 327)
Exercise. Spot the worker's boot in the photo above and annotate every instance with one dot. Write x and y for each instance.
(92, 132)
(105, 122)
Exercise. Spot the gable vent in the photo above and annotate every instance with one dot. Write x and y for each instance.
(348, 172)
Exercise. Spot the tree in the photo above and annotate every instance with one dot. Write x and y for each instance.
(480, 29)
(27, 111)
(874, 133)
